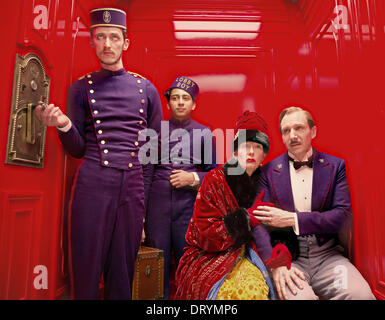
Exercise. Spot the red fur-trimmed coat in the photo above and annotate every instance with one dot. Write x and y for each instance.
(210, 253)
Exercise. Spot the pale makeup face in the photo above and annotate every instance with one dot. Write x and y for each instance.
(250, 156)
(181, 104)
(109, 45)
(297, 135)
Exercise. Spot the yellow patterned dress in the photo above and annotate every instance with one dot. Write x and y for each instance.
(244, 282)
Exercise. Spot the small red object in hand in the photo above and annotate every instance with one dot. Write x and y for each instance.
(280, 256)
(253, 220)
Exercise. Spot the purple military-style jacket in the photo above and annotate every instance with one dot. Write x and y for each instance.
(109, 110)
(196, 152)
(104, 218)
(331, 203)
(186, 145)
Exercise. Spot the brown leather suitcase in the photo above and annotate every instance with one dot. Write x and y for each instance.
(149, 274)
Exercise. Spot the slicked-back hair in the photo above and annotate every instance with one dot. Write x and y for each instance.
(293, 109)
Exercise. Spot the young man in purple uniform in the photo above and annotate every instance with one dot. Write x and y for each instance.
(188, 152)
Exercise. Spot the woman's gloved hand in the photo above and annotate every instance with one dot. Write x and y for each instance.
(253, 220)
(280, 256)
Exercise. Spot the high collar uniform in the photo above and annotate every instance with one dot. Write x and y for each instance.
(108, 111)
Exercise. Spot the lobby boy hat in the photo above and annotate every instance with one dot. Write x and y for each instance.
(185, 84)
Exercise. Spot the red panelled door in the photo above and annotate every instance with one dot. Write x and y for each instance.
(32, 199)
(245, 55)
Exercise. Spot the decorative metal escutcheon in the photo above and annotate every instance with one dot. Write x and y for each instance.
(26, 134)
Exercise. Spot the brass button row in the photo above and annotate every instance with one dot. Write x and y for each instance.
(96, 112)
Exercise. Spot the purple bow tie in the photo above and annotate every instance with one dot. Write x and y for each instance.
(299, 164)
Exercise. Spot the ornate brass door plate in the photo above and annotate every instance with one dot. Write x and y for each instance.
(26, 134)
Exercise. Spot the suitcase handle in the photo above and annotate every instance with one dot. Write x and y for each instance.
(148, 270)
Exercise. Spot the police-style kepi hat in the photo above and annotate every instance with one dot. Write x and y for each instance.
(256, 130)
(186, 84)
(108, 17)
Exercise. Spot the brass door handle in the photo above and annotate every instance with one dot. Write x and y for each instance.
(30, 130)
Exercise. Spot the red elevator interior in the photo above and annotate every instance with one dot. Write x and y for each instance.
(258, 55)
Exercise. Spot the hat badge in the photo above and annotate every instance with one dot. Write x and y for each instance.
(107, 16)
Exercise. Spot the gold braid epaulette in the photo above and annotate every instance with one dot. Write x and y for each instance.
(136, 75)
(82, 77)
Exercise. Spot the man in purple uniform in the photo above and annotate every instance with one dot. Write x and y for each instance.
(107, 111)
(312, 198)
(187, 154)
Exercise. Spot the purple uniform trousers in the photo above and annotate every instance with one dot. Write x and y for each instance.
(168, 216)
(105, 222)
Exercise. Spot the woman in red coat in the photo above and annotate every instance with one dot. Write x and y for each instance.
(221, 260)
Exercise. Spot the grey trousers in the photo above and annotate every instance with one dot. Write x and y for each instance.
(329, 274)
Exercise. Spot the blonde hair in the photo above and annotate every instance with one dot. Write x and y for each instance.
(293, 109)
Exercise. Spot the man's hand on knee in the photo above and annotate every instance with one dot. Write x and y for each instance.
(292, 278)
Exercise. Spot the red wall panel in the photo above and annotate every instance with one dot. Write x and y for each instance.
(246, 54)
(30, 225)
(20, 249)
